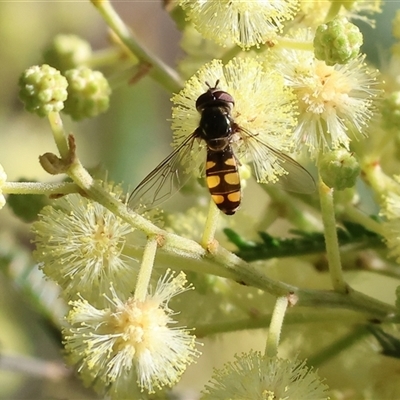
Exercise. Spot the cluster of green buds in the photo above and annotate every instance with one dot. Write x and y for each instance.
(66, 85)
(339, 169)
(391, 111)
(337, 42)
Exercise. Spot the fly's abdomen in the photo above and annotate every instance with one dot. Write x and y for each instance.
(223, 180)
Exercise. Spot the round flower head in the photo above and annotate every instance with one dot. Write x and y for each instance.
(332, 100)
(245, 23)
(43, 90)
(79, 245)
(88, 93)
(67, 51)
(256, 377)
(263, 111)
(130, 344)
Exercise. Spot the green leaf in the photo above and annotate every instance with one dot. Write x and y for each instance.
(390, 344)
(302, 243)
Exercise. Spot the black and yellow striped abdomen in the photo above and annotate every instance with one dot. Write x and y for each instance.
(223, 179)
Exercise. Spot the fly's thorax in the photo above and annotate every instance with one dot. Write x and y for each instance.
(215, 123)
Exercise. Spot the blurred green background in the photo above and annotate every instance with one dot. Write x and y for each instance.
(128, 142)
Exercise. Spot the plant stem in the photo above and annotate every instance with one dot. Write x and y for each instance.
(163, 74)
(378, 180)
(355, 215)
(59, 134)
(211, 225)
(146, 269)
(275, 328)
(331, 239)
(221, 262)
(39, 188)
(264, 320)
(333, 10)
(225, 264)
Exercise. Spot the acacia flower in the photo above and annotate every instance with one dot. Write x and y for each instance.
(79, 245)
(334, 101)
(43, 89)
(257, 377)
(3, 179)
(263, 106)
(131, 344)
(88, 93)
(245, 23)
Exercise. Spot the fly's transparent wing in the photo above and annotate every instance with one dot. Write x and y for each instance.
(270, 163)
(167, 178)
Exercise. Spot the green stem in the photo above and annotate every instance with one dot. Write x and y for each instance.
(331, 239)
(355, 215)
(211, 225)
(146, 268)
(263, 321)
(39, 188)
(377, 179)
(289, 207)
(338, 346)
(159, 71)
(230, 265)
(225, 264)
(333, 11)
(275, 328)
(59, 134)
(95, 191)
(110, 56)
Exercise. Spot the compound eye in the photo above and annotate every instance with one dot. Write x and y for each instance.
(203, 100)
(223, 97)
(214, 98)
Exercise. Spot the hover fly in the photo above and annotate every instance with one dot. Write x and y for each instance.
(220, 135)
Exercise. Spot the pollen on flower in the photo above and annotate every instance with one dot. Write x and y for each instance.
(257, 377)
(334, 102)
(131, 344)
(245, 23)
(264, 109)
(79, 244)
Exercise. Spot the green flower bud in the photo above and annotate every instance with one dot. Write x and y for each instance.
(88, 93)
(391, 111)
(337, 42)
(43, 89)
(67, 52)
(339, 169)
(27, 206)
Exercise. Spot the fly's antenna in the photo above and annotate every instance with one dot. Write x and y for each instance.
(213, 87)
